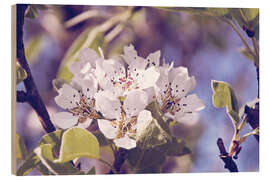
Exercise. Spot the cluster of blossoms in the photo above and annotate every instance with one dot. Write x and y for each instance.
(116, 94)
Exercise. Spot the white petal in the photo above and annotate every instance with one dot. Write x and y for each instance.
(151, 93)
(144, 119)
(76, 67)
(108, 104)
(130, 54)
(64, 120)
(108, 72)
(193, 83)
(86, 68)
(149, 78)
(89, 85)
(88, 55)
(68, 97)
(100, 74)
(86, 123)
(181, 85)
(162, 83)
(189, 104)
(107, 128)
(179, 70)
(153, 59)
(125, 142)
(135, 102)
(189, 119)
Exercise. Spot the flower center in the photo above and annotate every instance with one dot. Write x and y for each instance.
(125, 126)
(127, 82)
(169, 102)
(85, 109)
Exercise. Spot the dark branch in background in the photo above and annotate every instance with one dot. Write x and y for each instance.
(31, 95)
(253, 117)
(229, 162)
(120, 157)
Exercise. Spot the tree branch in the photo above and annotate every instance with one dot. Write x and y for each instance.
(21, 96)
(253, 117)
(229, 162)
(31, 95)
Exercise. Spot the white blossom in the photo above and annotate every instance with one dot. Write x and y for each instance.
(123, 121)
(139, 73)
(172, 91)
(86, 63)
(116, 93)
(79, 106)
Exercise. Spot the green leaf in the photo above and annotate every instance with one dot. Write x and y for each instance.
(31, 162)
(158, 115)
(53, 138)
(45, 153)
(31, 12)
(20, 73)
(152, 136)
(33, 48)
(21, 151)
(250, 13)
(223, 96)
(177, 148)
(44, 156)
(92, 171)
(76, 143)
(143, 160)
(157, 132)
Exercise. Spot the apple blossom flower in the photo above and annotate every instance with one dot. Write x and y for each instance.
(79, 106)
(123, 120)
(86, 63)
(139, 74)
(172, 90)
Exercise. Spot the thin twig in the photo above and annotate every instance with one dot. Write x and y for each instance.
(229, 162)
(240, 35)
(31, 95)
